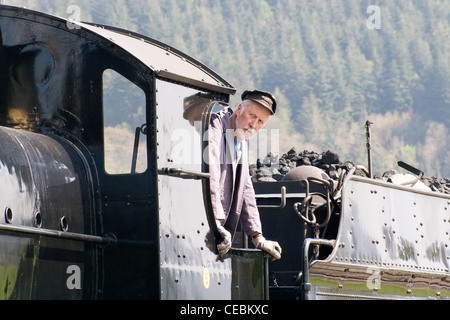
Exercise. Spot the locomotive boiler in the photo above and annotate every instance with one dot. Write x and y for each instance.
(104, 186)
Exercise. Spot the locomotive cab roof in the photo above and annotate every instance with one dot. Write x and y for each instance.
(166, 61)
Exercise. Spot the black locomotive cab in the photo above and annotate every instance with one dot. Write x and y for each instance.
(188, 267)
(102, 165)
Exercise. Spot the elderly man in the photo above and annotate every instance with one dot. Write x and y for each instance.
(232, 194)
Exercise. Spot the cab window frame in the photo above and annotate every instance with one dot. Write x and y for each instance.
(143, 146)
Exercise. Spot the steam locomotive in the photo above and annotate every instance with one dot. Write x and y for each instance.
(104, 189)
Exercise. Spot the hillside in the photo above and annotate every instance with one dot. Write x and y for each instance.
(328, 70)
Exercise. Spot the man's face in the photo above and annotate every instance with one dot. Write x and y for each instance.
(250, 120)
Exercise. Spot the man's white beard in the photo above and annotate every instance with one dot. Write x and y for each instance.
(244, 134)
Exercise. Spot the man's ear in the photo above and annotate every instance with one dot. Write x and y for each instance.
(238, 110)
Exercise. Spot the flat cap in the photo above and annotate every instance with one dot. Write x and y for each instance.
(264, 98)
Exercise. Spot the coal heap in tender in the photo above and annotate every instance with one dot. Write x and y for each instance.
(272, 169)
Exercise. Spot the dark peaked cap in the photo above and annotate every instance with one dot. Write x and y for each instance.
(264, 98)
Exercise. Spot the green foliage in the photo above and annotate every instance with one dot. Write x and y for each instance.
(330, 70)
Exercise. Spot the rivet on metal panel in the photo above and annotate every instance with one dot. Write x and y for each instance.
(38, 220)
(64, 224)
(8, 215)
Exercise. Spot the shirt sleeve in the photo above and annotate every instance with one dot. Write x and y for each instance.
(215, 137)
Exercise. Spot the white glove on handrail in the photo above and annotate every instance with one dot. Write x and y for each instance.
(271, 248)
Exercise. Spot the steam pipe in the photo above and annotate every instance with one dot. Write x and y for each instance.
(369, 147)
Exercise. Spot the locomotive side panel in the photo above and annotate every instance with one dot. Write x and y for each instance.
(392, 243)
(189, 270)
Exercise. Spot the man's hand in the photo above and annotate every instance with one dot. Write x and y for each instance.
(271, 248)
(224, 246)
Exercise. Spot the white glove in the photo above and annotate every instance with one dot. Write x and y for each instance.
(271, 248)
(225, 245)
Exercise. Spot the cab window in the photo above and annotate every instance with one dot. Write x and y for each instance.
(124, 125)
